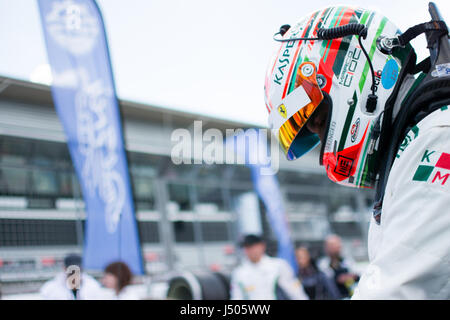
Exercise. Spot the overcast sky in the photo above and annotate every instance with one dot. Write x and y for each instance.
(206, 57)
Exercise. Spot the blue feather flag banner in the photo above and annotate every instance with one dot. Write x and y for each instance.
(85, 99)
(251, 149)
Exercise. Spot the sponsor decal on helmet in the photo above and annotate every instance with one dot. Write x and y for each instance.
(377, 80)
(355, 129)
(348, 71)
(307, 70)
(344, 166)
(330, 135)
(321, 81)
(282, 111)
(390, 74)
(284, 60)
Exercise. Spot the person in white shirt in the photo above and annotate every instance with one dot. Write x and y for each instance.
(118, 278)
(261, 277)
(72, 284)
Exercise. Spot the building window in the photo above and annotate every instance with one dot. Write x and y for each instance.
(214, 231)
(179, 193)
(148, 231)
(184, 231)
(33, 232)
(44, 182)
(13, 181)
(209, 200)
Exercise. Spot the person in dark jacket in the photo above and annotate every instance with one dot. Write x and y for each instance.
(339, 267)
(316, 284)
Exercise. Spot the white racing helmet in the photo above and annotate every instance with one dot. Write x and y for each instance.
(306, 74)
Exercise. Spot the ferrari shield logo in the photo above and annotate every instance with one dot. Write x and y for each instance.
(282, 111)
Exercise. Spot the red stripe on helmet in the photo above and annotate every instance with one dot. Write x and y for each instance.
(314, 32)
(327, 66)
(309, 43)
(343, 164)
(293, 63)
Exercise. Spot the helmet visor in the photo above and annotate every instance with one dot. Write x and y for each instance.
(292, 114)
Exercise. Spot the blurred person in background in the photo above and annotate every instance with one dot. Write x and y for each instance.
(338, 267)
(118, 278)
(261, 277)
(315, 282)
(72, 283)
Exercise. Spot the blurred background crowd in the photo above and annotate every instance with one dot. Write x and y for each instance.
(329, 277)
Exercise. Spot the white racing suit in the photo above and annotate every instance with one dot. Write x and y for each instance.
(258, 281)
(409, 250)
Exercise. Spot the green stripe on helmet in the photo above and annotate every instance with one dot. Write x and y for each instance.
(373, 47)
(370, 19)
(359, 12)
(364, 17)
(365, 179)
(348, 120)
(342, 51)
(341, 15)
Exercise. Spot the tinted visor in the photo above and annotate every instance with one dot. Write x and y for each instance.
(295, 139)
